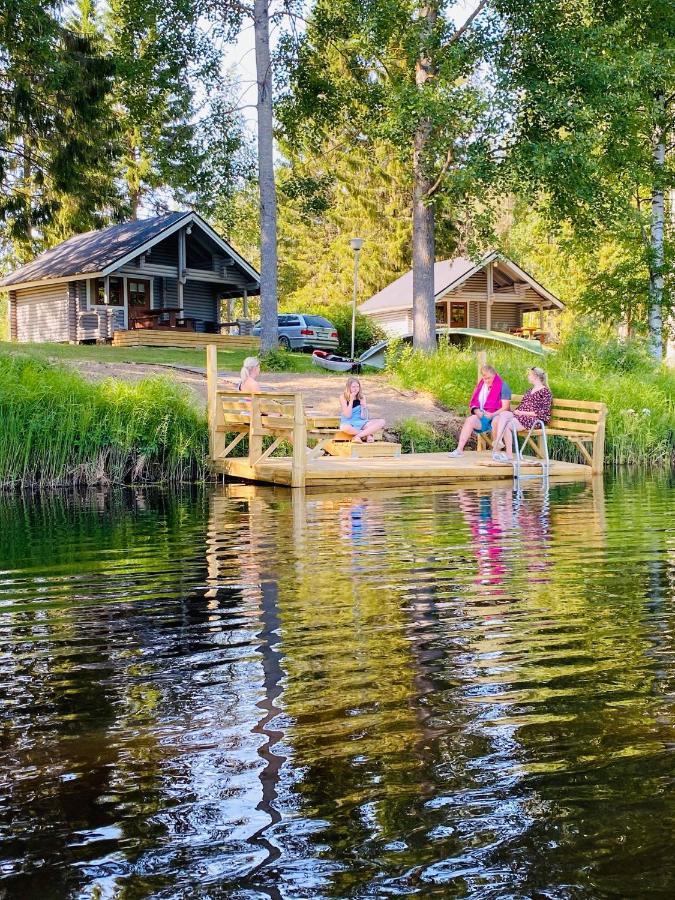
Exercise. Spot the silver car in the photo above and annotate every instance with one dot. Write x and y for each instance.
(304, 332)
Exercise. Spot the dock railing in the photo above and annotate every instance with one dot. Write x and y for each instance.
(278, 415)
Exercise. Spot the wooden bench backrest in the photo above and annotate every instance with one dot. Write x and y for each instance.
(574, 416)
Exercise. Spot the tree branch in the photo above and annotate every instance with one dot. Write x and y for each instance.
(441, 175)
(469, 22)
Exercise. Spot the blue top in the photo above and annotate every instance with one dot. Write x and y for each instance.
(356, 419)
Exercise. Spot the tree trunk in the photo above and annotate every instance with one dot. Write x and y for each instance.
(134, 203)
(423, 256)
(268, 199)
(656, 264)
(670, 328)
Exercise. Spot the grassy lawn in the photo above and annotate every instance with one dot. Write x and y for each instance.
(228, 360)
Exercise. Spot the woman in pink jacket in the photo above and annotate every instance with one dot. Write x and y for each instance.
(491, 396)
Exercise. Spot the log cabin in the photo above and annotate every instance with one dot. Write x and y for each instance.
(490, 295)
(171, 272)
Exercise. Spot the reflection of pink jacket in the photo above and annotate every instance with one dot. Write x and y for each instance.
(494, 397)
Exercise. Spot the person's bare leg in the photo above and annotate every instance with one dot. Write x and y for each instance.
(468, 428)
(495, 430)
(508, 436)
(349, 429)
(508, 441)
(503, 427)
(370, 428)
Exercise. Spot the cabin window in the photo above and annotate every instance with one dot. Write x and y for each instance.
(138, 293)
(115, 292)
(458, 315)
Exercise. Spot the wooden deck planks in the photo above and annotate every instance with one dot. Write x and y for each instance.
(408, 469)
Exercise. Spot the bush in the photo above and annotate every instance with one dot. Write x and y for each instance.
(4, 318)
(279, 360)
(59, 429)
(605, 353)
(640, 395)
(419, 437)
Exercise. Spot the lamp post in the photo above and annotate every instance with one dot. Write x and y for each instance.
(356, 244)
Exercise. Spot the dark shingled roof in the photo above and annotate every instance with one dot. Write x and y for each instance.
(93, 251)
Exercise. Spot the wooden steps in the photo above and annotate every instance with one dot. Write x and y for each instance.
(354, 450)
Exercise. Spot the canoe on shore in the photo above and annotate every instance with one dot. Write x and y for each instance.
(334, 363)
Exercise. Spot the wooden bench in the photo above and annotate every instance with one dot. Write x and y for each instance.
(580, 421)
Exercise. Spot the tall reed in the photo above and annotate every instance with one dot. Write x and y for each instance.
(56, 428)
(640, 395)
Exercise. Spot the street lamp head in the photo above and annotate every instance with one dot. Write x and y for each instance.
(356, 244)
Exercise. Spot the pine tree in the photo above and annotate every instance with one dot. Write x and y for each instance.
(55, 146)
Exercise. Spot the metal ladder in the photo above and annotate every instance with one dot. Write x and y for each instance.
(518, 457)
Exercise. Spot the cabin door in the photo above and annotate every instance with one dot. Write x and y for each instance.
(138, 298)
(458, 315)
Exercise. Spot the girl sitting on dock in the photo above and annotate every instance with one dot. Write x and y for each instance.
(491, 397)
(534, 407)
(354, 414)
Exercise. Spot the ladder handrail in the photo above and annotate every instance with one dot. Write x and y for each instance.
(545, 461)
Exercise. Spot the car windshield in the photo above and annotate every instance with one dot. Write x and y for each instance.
(318, 321)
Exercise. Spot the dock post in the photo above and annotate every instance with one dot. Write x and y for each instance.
(599, 444)
(481, 360)
(299, 464)
(211, 395)
(255, 436)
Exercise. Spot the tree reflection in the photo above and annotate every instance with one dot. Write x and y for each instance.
(444, 692)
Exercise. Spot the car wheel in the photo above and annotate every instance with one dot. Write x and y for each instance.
(284, 342)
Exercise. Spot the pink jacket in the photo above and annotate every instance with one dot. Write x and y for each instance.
(494, 397)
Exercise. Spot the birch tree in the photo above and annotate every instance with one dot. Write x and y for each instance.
(595, 125)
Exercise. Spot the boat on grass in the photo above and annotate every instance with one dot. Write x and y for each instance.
(335, 363)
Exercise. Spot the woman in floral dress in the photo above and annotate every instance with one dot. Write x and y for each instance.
(534, 407)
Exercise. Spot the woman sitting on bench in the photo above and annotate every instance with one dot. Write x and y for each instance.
(354, 414)
(492, 396)
(535, 407)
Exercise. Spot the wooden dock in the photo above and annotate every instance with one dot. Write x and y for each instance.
(409, 469)
(279, 423)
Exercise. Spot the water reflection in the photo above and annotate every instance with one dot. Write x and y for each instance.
(249, 693)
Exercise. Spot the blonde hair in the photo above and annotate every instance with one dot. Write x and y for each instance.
(540, 373)
(250, 363)
(350, 382)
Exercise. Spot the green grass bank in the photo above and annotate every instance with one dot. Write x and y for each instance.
(228, 360)
(640, 395)
(59, 429)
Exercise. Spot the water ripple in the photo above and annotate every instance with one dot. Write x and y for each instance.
(248, 694)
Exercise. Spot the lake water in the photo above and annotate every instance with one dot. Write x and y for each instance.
(449, 693)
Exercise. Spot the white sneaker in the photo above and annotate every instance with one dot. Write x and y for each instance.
(501, 458)
(456, 453)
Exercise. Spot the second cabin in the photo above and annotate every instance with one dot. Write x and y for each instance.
(493, 294)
